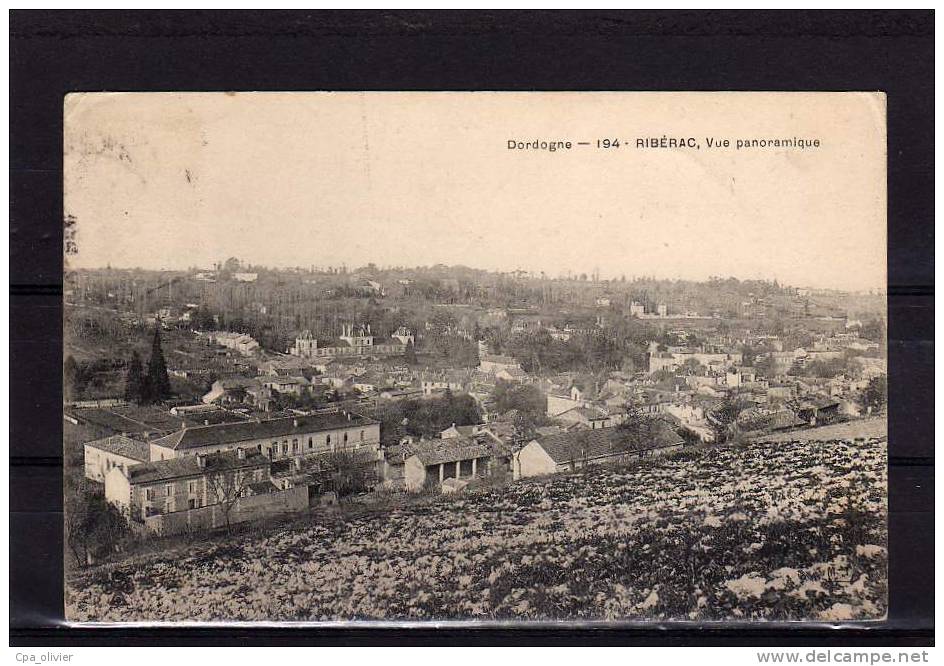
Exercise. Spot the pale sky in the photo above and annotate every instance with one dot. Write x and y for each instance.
(172, 180)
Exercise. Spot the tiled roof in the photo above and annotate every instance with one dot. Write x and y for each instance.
(123, 446)
(431, 455)
(587, 413)
(184, 466)
(451, 450)
(580, 444)
(232, 433)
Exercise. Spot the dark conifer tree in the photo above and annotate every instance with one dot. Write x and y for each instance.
(410, 353)
(73, 383)
(158, 383)
(134, 381)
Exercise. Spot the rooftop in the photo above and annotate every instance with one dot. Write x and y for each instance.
(123, 446)
(232, 433)
(184, 466)
(437, 451)
(580, 444)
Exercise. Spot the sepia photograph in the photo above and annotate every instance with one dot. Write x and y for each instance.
(479, 357)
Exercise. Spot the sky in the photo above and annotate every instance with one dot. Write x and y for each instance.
(178, 180)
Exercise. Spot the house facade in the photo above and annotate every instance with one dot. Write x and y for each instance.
(118, 451)
(181, 484)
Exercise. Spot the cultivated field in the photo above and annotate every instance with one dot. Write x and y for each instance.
(775, 531)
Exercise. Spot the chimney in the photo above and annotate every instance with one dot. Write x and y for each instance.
(241, 453)
(206, 421)
(201, 461)
(295, 423)
(348, 416)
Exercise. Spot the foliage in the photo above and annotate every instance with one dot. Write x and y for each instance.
(766, 366)
(410, 353)
(134, 380)
(94, 528)
(725, 415)
(875, 394)
(426, 417)
(225, 486)
(826, 368)
(157, 383)
(636, 431)
(350, 472)
(74, 379)
(525, 398)
(874, 330)
(748, 355)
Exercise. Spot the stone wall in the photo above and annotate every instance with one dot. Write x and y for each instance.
(254, 507)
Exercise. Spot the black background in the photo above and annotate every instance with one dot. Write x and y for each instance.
(55, 52)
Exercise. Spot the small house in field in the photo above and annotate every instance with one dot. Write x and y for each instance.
(576, 449)
(461, 458)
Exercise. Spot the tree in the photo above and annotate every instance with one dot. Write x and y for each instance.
(525, 398)
(410, 353)
(157, 386)
(875, 394)
(94, 528)
(134, 380)
(351, 471)
(635, 432)
(225, 486)
(692, 366)
(874, 330)
(578, 449)
(748, 355)
(74, 381)
(724, 417)
(766, 365)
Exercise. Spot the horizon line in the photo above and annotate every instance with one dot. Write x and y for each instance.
(548, 276)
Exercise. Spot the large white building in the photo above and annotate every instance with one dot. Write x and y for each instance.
(353, 341)
(314, 434)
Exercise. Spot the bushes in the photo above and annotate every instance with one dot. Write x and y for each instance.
(94, 528)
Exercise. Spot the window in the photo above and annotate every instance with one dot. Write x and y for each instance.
(148, 494)
(328, 439)
(193, 503)
(169, 489)
(362, 435)
(311, 444)
(285, 448)
(192, 487)
(345, 438)
(294, 446)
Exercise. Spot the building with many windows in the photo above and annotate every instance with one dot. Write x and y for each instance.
(353, 341)
(313, 434)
